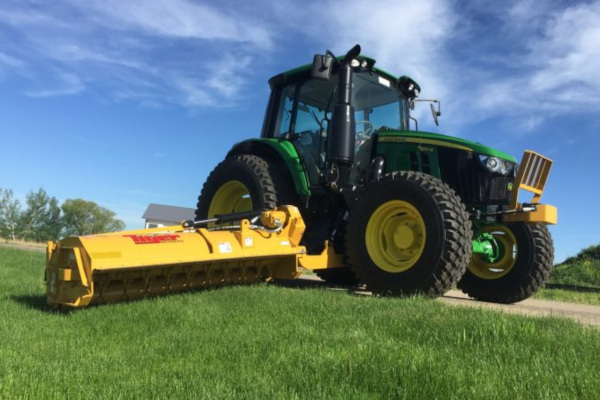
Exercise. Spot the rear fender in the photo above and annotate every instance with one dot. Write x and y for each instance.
(277, 150)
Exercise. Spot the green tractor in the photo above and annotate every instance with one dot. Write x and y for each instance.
(406, 212)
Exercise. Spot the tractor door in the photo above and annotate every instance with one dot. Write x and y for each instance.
(304, 119)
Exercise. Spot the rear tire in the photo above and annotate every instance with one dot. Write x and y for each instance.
(239, 183)
(524, 269)
(409, 234)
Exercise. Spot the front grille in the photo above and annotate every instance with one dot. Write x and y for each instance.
(470, 180)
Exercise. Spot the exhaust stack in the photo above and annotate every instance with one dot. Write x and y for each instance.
(343, 129)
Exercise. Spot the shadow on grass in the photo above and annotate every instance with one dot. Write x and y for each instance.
(38, 302)
(300, 283)
(308, 283)
(35, 302)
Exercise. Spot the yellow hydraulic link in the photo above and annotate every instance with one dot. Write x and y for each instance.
(120, 266)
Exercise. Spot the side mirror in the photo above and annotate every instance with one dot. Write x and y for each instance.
(434, 113)
(321, 67)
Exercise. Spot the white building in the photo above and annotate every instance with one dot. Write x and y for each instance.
(158, 215)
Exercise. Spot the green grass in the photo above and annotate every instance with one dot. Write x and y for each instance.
(569, 296)
(584, 272)
(582, 269)
(266, 341)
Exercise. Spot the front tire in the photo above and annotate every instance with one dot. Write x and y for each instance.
(526, 262)
(409, 234)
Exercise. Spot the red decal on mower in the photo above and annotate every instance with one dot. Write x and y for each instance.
(153, 239)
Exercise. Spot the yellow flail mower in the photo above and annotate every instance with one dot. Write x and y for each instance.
(107, 268)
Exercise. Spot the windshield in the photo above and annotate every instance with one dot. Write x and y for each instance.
(377, 104)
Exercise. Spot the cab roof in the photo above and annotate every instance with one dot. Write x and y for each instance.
(304, 72)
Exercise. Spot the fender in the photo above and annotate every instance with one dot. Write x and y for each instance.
(279, 150)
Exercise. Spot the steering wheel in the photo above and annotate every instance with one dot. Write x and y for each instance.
(367, 130)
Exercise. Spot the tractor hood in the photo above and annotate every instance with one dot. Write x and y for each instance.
(436, 139)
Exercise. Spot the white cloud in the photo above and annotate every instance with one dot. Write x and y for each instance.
(24, 14)
(554, 69)
(191, 91)
(227, 75)
(162, 52)
(532, 122)
(404, 37)
(68, 84)
(524, 60)
(500, 59)
(182, 19)
(569, 52)
(10, 61)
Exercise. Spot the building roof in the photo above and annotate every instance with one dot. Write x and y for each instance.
(161, 212)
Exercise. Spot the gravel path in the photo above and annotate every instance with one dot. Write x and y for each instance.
(586, 314)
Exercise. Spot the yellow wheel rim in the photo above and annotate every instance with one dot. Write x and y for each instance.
(508, 255)
(232, 197)
(395, 236)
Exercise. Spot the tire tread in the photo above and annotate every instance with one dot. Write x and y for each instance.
(457, 245)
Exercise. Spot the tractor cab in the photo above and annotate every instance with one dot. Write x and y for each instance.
(302, 106)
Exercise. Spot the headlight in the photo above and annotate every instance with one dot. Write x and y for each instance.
(496, 165)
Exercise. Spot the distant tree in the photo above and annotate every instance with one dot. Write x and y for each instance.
(81, 217)
(10, 214)
(591, 253)
(41, 219)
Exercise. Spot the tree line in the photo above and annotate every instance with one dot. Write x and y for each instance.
(42, 218)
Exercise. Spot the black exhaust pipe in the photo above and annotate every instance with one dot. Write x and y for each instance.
(343, 130)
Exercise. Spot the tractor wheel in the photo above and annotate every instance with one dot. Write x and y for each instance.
(409, 234)
(337, 276)
(239, 183)
(526, 258)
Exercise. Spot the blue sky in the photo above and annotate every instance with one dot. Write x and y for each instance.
(127, 103)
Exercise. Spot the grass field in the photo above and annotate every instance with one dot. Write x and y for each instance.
(584, 273)
(570, 296)
(266, 341)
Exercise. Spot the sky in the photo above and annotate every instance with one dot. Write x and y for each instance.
(128, 103)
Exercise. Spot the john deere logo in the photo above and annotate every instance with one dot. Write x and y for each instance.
(425, 148)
